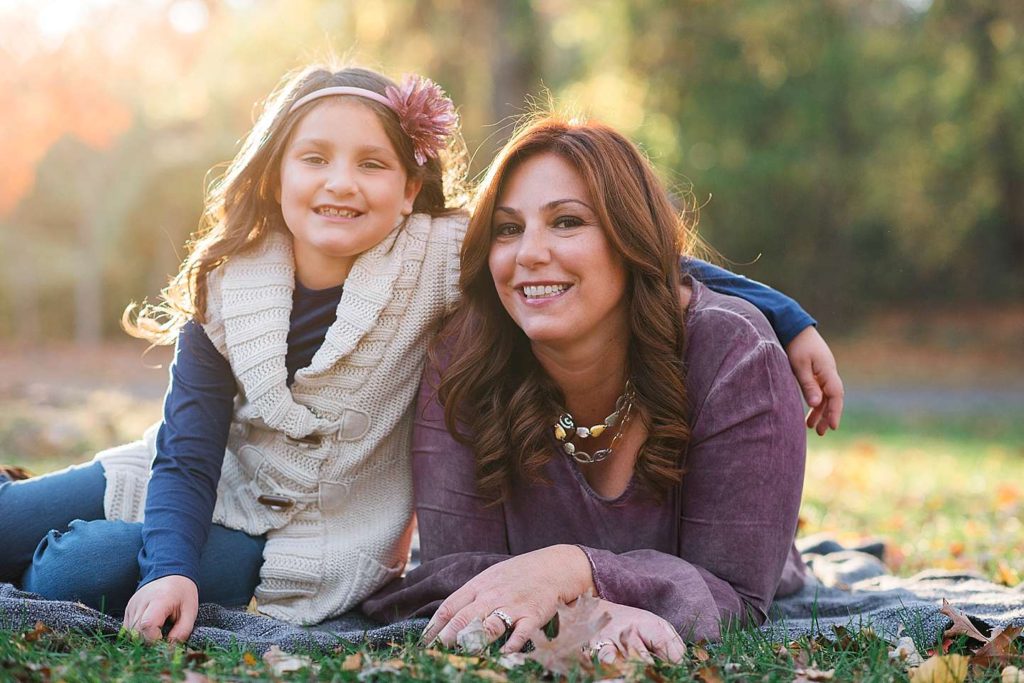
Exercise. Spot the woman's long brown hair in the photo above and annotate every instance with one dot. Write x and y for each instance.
(241, 207)
(497, 398)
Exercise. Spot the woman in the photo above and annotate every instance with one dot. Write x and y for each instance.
(607, 425)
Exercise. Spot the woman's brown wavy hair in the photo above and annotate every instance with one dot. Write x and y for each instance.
(497, 398)
(241, 207)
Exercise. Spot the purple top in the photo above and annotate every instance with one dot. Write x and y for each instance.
(715, 549)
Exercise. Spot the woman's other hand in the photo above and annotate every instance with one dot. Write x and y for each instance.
(815, 369)
(526, 590)
(169, 597)
(634, 633)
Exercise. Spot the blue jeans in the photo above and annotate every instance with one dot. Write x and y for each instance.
(55, 542)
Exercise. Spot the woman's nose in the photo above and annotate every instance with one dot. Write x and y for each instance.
(534, 248)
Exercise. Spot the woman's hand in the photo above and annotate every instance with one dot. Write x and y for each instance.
(815, 369)
(169, 597)
(636, 633)
(526, 589)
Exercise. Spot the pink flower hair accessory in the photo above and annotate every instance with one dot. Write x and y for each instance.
(426, 114)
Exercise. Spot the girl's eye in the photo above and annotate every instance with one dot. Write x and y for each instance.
(315, 159)
(373, 164)
(568, 222)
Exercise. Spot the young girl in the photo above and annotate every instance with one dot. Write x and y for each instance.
(302, 316)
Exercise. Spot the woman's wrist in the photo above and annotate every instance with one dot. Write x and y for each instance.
(578, 572)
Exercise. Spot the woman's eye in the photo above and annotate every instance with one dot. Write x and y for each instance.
(568, 222)
(505, 229)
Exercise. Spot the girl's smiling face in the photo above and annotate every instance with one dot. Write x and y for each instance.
(552, 264)
(342, 189)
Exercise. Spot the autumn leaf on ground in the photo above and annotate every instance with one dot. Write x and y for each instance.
(473, 638)
(961, 624)
(253, 607)
(813, 675)
(37, 632)
(280, 662)
(709, 674)
(999, 649)
(577, 627)
(942, 669)
(1012, 674)
(352, 662)
(249, 659)
(906, 651)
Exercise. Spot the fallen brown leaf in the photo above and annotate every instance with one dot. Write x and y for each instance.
(710, 674)
(249, 659)
(699, 653)
(811, 675)
(489, 675)
(473, 638)
(280, 662)
(1012, 674)
(961, 624)
(37, 632)
(353, 662)
(942, 669)
(578, 625)
(999, 649)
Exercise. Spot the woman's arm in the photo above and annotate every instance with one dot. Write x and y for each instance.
(739, 499)
(809, 356)
(183, 486)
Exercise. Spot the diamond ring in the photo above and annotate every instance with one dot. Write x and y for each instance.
(505, 619)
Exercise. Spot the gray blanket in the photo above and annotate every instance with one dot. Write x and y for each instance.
(850, 589)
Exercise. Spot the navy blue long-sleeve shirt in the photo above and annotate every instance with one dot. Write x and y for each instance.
(200, 403)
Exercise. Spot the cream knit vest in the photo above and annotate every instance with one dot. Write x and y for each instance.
(335, 446)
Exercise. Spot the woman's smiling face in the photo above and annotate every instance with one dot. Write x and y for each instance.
(553, 267)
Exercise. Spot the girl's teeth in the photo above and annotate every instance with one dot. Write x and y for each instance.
(343, 213)
(540, 291)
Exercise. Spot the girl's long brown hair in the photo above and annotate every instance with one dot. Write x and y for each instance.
(497, 398)
(241, 208)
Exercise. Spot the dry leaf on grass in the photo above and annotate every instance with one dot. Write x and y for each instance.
(249, 659)
(253, 607)
(473, 638)
(961, 624)
(37, 632)
(280, 662)
(353, 662)
(1012, 674)
(577, 627)
(906, 651)
(709, 674)
(812, 675)
(941, 669)
(999, 649)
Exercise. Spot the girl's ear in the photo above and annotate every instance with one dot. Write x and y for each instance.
(412, 189)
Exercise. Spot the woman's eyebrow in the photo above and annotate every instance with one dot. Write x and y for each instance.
(554, 204)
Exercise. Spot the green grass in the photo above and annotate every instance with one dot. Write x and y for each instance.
(940, 492)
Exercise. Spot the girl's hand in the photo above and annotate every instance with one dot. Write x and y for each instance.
(170, 597)
(815, 369)
(527, 589)
(634, 633)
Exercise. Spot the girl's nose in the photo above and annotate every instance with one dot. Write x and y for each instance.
(340, 180)
(534, 248)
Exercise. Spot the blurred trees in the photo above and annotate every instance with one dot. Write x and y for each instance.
(869, 152)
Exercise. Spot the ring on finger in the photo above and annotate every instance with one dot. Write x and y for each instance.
(599, 644)
(505, 619)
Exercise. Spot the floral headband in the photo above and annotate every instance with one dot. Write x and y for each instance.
(426, 114)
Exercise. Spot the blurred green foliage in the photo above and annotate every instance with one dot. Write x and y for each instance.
(856, 153)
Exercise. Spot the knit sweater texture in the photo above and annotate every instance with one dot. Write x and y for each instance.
(328, 456)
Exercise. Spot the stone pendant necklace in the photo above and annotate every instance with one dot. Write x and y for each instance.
(566, 429)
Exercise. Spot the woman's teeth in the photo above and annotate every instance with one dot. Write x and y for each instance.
(541, 291)
(337, 213)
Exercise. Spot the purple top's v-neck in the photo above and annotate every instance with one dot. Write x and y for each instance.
(717, 548)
